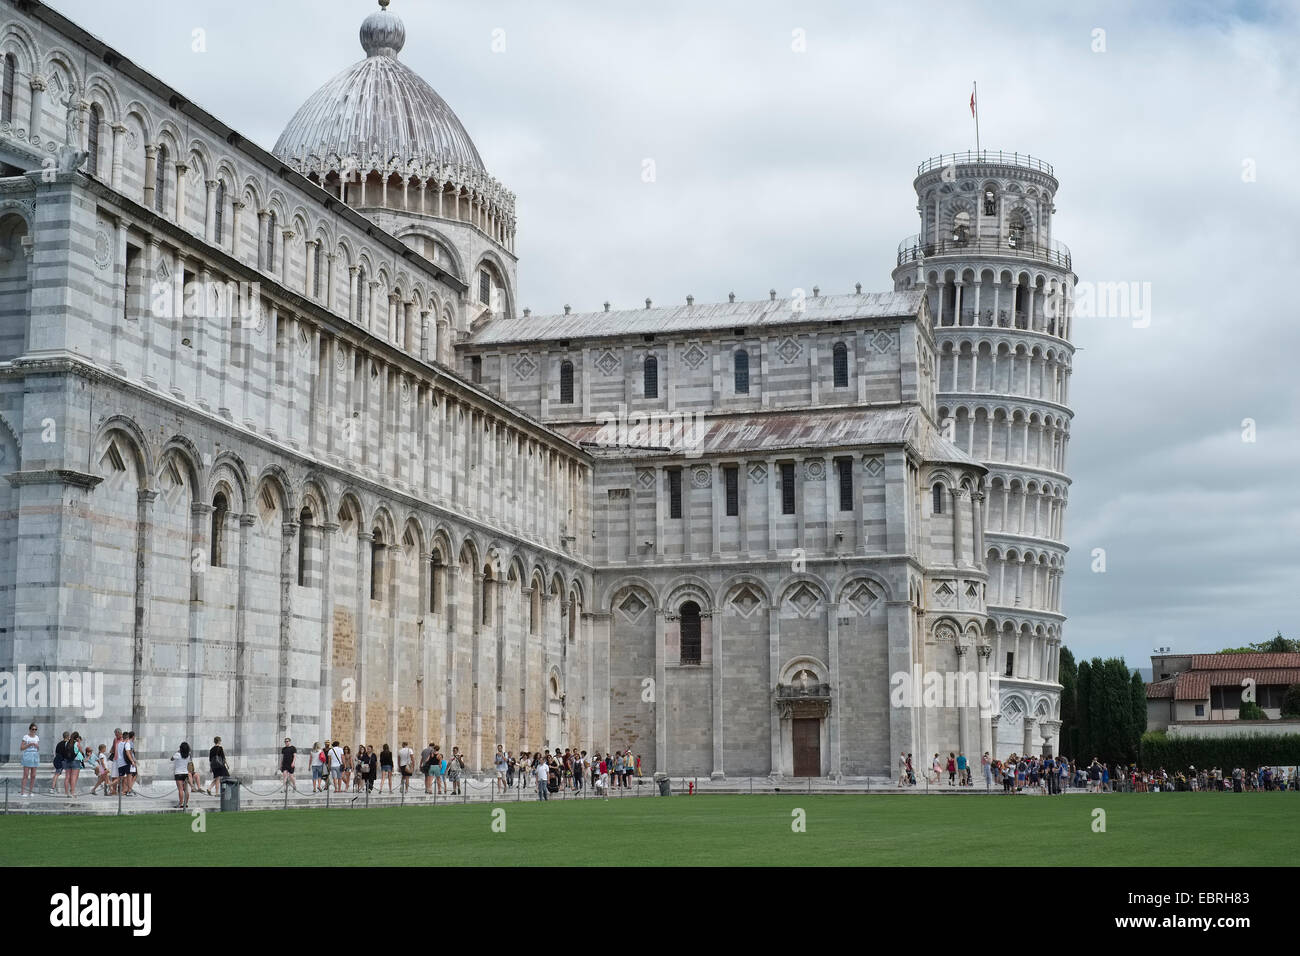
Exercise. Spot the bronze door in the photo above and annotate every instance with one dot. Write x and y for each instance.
(807, 747)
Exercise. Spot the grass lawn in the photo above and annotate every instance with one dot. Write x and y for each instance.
(1191, 829)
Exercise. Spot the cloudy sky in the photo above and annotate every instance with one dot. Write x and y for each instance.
(784, 138)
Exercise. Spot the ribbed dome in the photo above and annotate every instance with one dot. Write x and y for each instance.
(378, 109)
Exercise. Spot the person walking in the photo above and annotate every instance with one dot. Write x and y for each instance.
(386, 768)
(902, 770)
(543, 778)
(986, 764)
(217, 765)
(502, 764)
(405, 766)
(100, 765)
(60, 760)
(952, 768)
(426, 766)
(336, 766)
(132, 768)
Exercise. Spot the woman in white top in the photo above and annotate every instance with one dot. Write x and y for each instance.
(30, 749)
(181, 773)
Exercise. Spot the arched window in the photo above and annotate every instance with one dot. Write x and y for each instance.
(363, 297)
(376, 565)
(7, 99)
(92, 139)
(936, 505)
(305, 532)
(990, 201)
(218, 216)
(436, 570)
(651, 377)
(840, 359)
(270, 241)
(566, 383)
(690, 633)
(160, 180)
(742, 372)
(217, 538)
(961, 228)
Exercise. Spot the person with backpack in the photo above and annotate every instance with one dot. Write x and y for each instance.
(336, 766)
(426, 766)
(60, 760)
(217, 765)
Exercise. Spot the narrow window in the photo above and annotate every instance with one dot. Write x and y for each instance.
(435, 584)
(731, 479)
(674, 493)
(92, 139)
(7, 102)
(845, 467)
(485, 287)
(217, 539)
(476, 369)
(1011, 660)
(376, 564)
(990, 203)
(315, 270)
(573, 618)
(486, 598)
(363, 297)
(651, 377)
(742, 372)
(131, 280)
(787, 488)
(690, 633)
(566, 383)
(219, 213)
(936, 506)
(270, 241)
(535, 609)
(304, 545)
(160, 179)
(840, 359)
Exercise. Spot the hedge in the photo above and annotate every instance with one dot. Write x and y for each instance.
(1158, 749)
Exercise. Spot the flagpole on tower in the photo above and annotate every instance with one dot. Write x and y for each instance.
(975, 108)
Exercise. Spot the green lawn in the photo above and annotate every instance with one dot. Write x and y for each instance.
(1192, 829)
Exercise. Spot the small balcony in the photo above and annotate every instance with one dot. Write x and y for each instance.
(914, 249)
(971, 157)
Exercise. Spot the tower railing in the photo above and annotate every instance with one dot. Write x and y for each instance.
(1023, 160)
(913, 249)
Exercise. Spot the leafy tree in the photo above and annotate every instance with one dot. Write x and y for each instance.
(1278, 645)
(1291, 701)
(1138, 699)
(1083, 712)
(1068, 675)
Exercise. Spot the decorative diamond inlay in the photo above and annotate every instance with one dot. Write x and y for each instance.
(757, 472)
(872, 466)
(694, 356)
(883, 342)
(525, 367)
(632, 606)
(745, 602)
(789, 349)
(862, 599)
(944, 593)
(607, 363)
(803, 599)
(645, 478)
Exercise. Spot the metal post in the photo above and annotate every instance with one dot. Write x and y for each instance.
(6, 797)
(367, 798)
(286, 795)
(329, 784)
(119, 796)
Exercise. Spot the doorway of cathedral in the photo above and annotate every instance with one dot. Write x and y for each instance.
(807, 733)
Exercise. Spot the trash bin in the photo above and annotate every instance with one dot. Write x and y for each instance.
(665, 788)
(229, 794)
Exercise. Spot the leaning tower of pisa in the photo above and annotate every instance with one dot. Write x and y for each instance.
(1000, 291)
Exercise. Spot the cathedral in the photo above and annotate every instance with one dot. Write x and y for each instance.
(283, 457)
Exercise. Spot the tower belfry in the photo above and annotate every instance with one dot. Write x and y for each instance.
(1001, 293)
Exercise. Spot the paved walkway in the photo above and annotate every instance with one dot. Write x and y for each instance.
(160, 796)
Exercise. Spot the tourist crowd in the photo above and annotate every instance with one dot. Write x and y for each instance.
(331, 766)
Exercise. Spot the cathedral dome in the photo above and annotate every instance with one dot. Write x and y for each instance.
(378, 112)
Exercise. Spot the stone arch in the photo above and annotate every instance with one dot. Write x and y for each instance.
(877, 581)
(134, 443)
(804, 662)
(688, 587)
(18, 40)
(58, 63)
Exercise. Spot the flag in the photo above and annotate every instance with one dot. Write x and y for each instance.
(972, 104)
